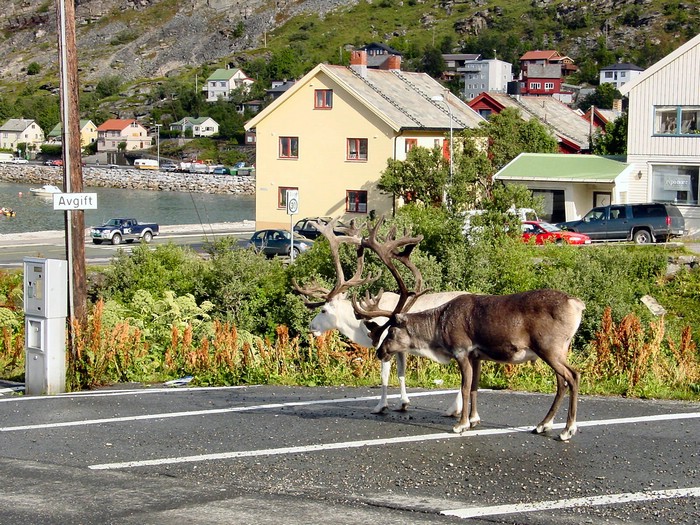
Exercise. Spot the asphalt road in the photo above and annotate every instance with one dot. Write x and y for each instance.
(260, 454)
(52, 245)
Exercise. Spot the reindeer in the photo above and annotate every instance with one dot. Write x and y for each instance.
(337, 312)
(513, 328)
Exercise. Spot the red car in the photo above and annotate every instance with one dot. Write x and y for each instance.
(544, 232)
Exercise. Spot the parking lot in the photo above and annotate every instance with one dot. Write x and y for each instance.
(317, 455)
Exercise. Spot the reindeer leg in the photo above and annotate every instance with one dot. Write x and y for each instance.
(565, 375)
(383, 401)
(465, 367)
(474, 418)
(401, 372)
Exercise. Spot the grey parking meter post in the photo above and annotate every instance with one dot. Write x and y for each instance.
(45, 312)
(292, 209)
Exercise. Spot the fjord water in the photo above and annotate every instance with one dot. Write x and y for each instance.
(35, 213)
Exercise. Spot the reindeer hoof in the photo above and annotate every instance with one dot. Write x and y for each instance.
(541, 429)
(453, 413)
(567, 434)
(474, 422)
(403, 407)
(380, 409)
(458, 429)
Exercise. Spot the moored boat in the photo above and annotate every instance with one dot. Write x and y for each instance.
(46, 189)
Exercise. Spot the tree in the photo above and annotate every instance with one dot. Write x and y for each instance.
(34, 68)
(602, 97)
(421, 177)
(432, 62)
(613, 141)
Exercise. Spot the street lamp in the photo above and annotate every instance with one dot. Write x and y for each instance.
(158, 142)
(440, 98)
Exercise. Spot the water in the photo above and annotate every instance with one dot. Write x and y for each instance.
(36, 213)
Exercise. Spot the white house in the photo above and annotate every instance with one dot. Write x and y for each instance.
(222, 82)
(663, 138)
(200, 126)
(17, 131)
(619, 74)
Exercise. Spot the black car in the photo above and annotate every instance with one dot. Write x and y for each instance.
(308, 230)
(277, 242)
(641, 223)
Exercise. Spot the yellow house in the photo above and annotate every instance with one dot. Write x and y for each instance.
(330, 135)
(88, 133)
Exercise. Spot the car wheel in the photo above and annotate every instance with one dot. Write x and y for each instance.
(642, 237)
(116, 239)
(96, 241)
(296, 252)
(147, 237)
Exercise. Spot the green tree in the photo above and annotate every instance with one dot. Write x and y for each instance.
(602, 97)
(614, 140)
(421, 177)
(34, 68)
(432, 62)
(108, 86)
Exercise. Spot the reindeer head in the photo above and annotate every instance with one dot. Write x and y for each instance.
(336, 311)
(389, 337)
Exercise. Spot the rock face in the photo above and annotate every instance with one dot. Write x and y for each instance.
(143, 38)
(132, 179)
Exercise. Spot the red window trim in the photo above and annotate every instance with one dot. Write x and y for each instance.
(323, 100)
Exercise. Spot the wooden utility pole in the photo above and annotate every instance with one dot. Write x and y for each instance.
(72, 165)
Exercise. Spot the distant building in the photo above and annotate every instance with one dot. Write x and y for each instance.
(490, 75)
(279, 87)
(542, 72)
(88, 133)
(200, 126)
(222, 82)
(379, 54)
(619, 74)
(17, 131)
(454, 62)
(116, 131)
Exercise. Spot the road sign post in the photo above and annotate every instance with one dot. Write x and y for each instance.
(292, 209)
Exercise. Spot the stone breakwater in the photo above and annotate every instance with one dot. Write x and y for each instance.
(104, 177)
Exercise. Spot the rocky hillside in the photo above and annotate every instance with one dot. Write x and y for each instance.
(147, 39)
(142, 38)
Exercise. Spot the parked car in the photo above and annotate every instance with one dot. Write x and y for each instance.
(19, 160)
(277, 242)
(641, 223)
(168, 166)
(308, 230)
(124, 229)
(221, 171)
(54, 162)
(541, 232)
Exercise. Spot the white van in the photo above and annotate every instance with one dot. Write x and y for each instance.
(6, 157)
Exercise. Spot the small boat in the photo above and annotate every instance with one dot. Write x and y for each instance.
(46, 189)
(7, 212)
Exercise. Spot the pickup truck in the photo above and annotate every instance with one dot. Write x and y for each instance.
(117, 230)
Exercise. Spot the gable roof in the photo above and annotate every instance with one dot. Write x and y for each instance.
(560, 167)
(401, 99)
(58, 128)
(116, 124)
(541, 55)
(17, 124)
(649, 72)
(223, 74)
(622, 66)
(566, 123)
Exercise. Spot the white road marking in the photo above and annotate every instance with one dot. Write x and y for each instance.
(377, 442)
(609, 499)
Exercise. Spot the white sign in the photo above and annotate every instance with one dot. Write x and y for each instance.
(75, 201)
(292, 202)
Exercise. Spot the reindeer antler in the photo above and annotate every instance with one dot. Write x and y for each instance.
(392, 248)
(351, 235)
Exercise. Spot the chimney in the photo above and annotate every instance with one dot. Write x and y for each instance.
(392, 63)
(617, 106)
(358, 62)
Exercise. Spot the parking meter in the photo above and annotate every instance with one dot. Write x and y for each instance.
(45, 312)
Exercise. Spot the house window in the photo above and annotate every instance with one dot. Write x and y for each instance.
(608, 74)
(289, 147)
(549, 86)
(410, 144)
(323, 99)
(356, 201)
(535, 85)
(677, 184)
(357, 149)
(282, 196)
(667, 119)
